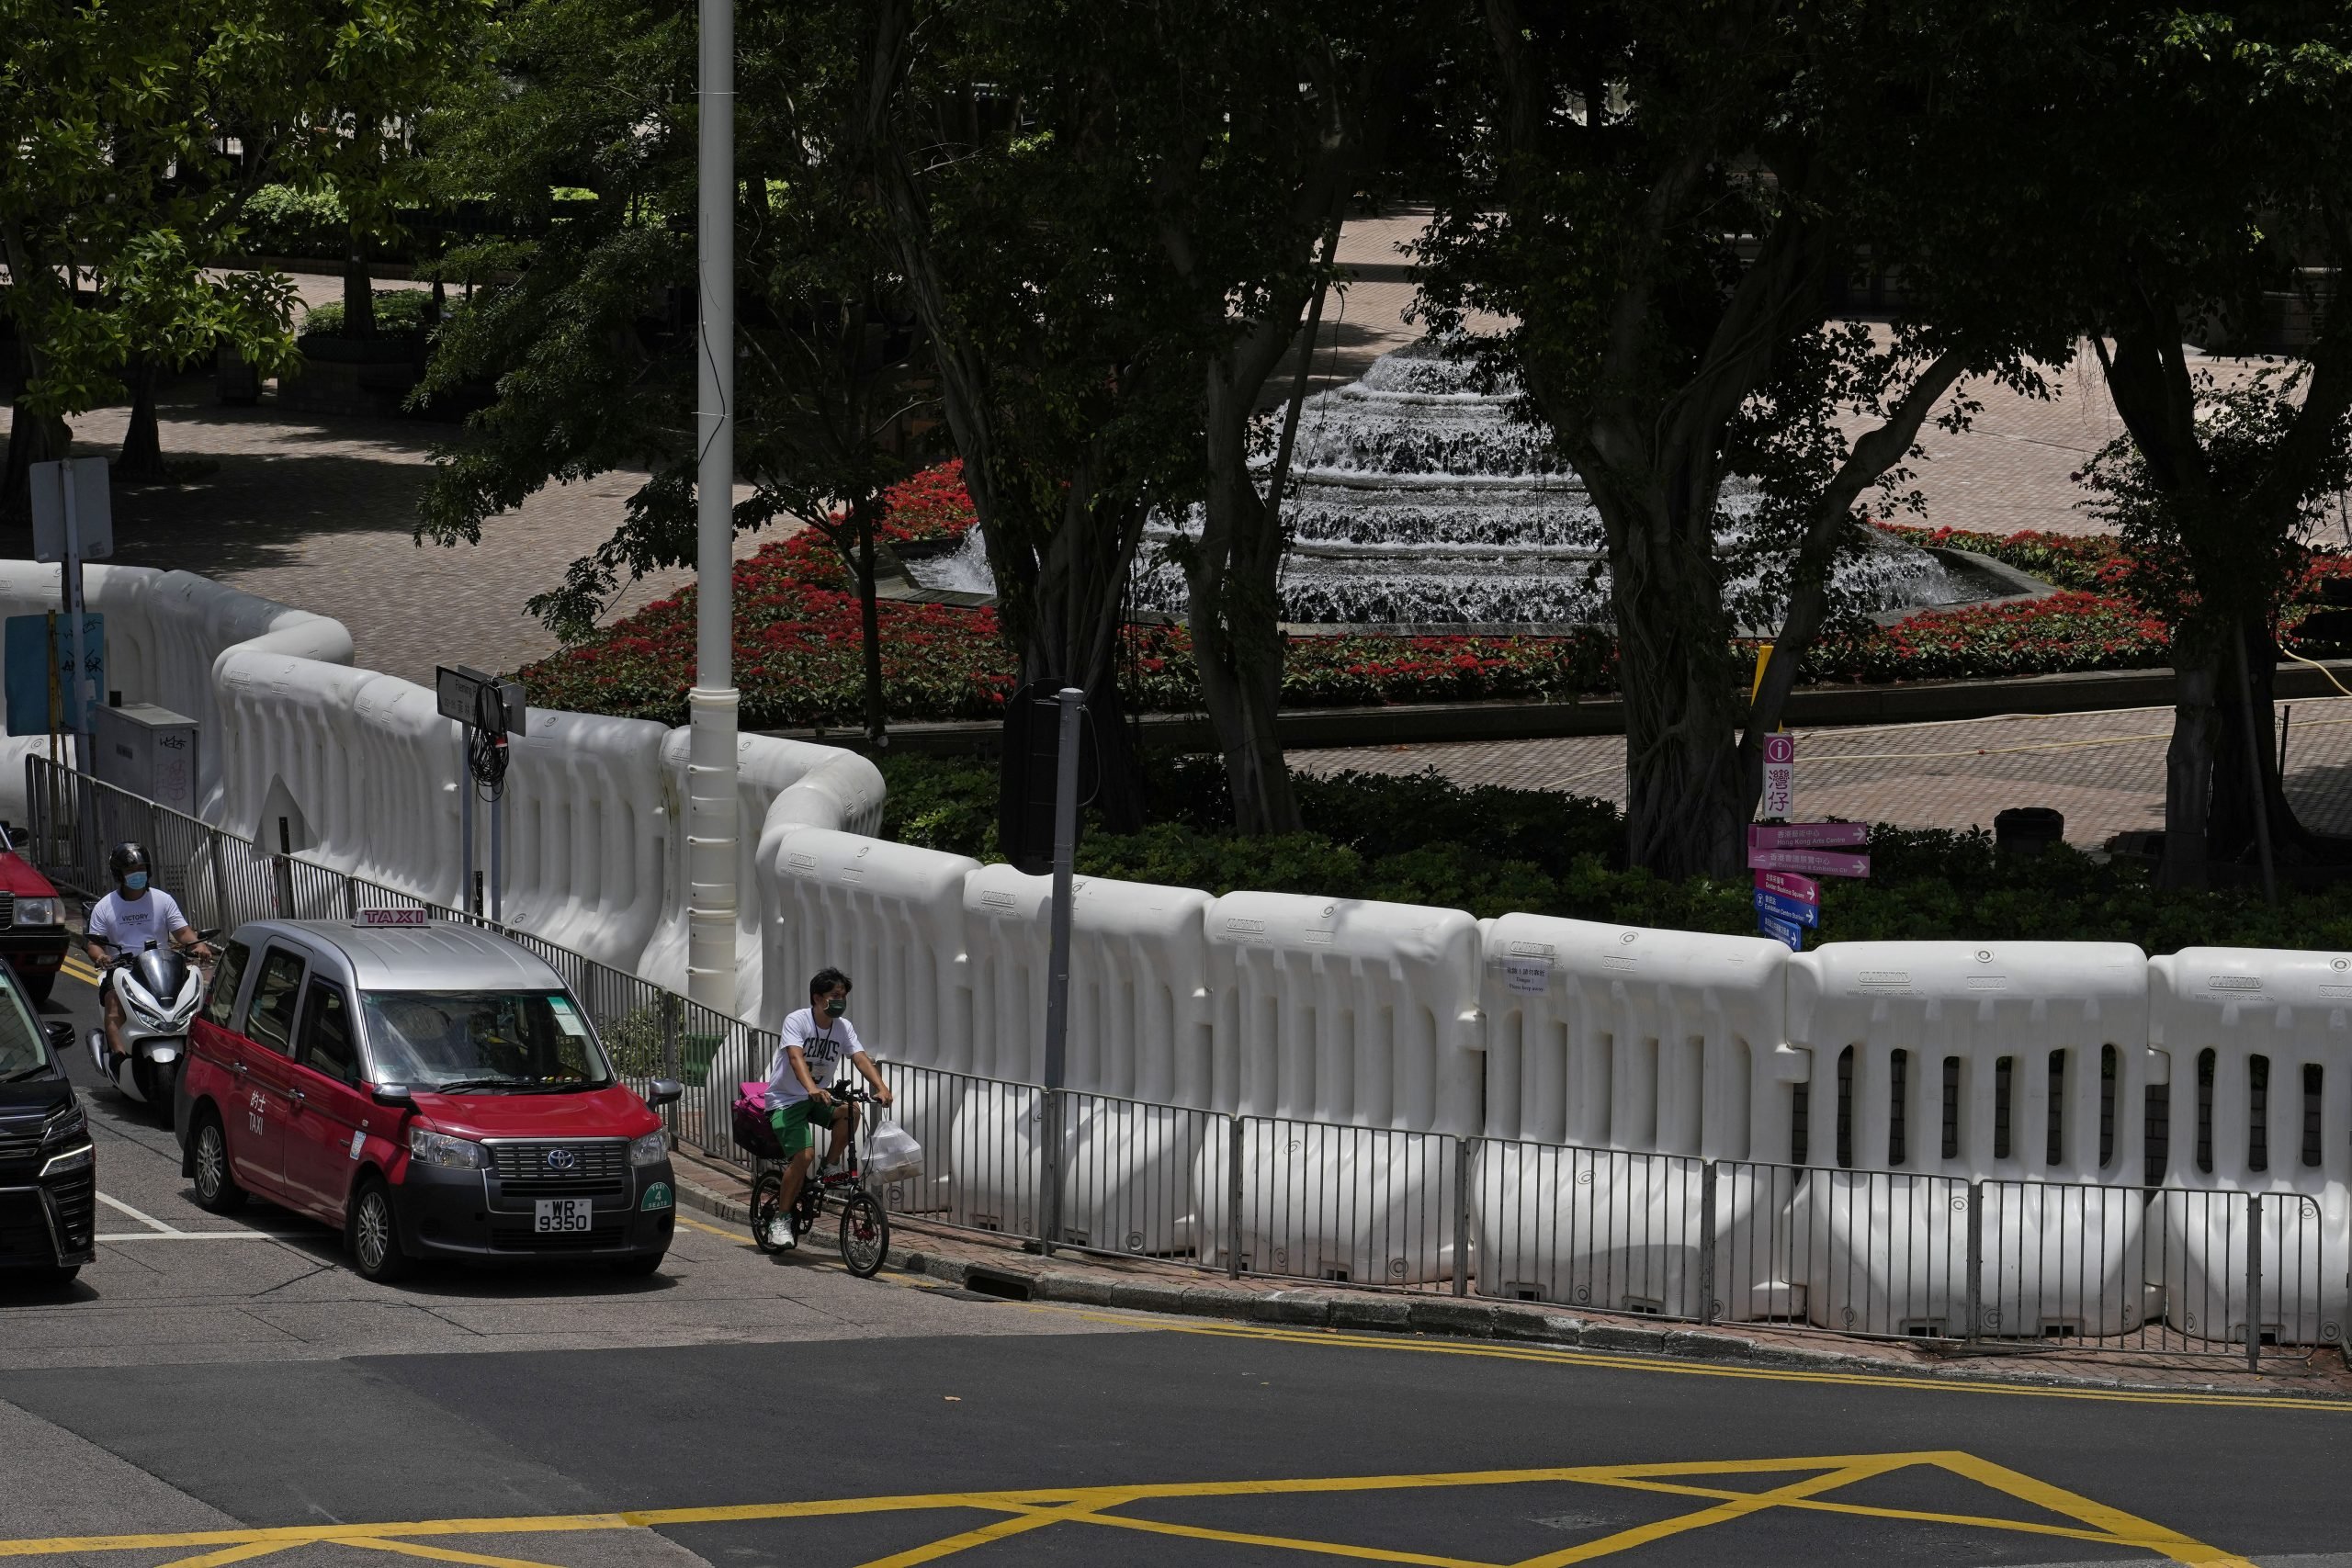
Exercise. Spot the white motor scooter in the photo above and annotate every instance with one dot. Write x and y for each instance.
(159, 990)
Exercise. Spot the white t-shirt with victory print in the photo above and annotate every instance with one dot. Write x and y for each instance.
(827, 1049)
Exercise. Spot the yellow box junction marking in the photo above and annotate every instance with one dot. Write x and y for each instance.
(1811, 1486)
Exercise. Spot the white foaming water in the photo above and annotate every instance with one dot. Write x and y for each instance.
(1421, 500)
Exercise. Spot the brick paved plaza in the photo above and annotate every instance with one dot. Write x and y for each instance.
(316, 511)
(2105, 771)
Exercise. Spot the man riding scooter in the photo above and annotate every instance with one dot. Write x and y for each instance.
(126, 920)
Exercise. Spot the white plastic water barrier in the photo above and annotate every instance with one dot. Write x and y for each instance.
(781, 785)
(1651, 1050)
(2256, 1049)
(1130, 1171)
(1140, 1018)
(891, 916)
(165, 631)
(2012, 1062)
(1889, 1252)
(1371, 1205)
(1358, 1016)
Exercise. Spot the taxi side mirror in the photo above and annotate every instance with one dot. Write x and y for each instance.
(394, 1094)
(665, 1091)
(61, 1035)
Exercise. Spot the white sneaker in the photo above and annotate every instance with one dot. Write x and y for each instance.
(781, 1236)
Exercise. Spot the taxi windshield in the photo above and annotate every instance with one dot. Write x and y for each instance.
(482, 1041)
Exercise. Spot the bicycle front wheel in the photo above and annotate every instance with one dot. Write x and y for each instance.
(765, 1233)
(865, 1235)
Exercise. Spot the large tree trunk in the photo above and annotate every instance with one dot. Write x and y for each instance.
(359, 290)
(1235, 615)
(2188, 760)
(2246, 780)
(1685, 794)
(141, 457)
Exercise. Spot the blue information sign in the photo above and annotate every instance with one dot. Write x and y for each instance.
(1781, 931)
(27, 670)
(1788, 910)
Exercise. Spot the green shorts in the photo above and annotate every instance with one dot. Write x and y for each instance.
(796, 1123)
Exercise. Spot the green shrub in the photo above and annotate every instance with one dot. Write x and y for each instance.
(399, 312)
(280, 220)
(1424, 840)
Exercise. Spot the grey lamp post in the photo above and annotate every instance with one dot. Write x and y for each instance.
(713, 806)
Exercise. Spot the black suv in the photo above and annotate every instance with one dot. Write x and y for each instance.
(49, 1169)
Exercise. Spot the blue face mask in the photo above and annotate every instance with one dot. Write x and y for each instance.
(135, 881)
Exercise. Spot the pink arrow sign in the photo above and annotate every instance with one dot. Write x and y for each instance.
(1816, 862)
(1808, 835)
(1789, 885)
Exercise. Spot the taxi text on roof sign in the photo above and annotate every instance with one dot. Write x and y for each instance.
(392, 917)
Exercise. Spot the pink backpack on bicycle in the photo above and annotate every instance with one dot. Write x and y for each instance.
(754, 1134)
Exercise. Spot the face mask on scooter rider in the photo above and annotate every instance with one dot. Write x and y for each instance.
(135, 881)
(835, 1007)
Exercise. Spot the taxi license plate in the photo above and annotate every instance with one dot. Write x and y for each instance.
(560, 1217)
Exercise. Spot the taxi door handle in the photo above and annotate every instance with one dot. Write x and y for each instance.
(297, 1096)
(237, 1068)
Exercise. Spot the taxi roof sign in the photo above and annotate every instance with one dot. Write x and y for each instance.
(392, 917)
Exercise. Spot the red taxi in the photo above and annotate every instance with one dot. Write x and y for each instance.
(32, 922)
(430, 1089)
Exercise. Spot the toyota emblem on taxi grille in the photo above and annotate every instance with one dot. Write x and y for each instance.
(561, 1159)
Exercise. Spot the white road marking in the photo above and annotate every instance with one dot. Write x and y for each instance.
(121, 1207)
(192, 1235)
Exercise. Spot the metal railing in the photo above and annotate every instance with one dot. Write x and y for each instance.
(1987, 1264)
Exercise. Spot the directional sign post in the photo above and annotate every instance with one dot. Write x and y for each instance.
(1785, 858)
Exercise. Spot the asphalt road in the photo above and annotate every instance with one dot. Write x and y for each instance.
(200, 1400)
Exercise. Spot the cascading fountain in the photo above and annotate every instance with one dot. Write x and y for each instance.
(1419, 502)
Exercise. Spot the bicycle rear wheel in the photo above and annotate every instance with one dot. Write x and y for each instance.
(764, 1193)
(865, 1235)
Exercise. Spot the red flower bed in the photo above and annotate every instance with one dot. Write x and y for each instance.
(799, 662)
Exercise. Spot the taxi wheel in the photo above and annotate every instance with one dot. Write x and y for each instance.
(216, 1190)
(38, 989)
(639, 1268)
(375, 1234)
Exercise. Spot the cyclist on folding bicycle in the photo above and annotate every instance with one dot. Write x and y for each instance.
(816, 1040)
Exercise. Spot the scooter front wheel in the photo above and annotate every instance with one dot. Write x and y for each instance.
(159, 1082)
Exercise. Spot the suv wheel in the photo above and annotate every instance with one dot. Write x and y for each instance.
(375, 1234)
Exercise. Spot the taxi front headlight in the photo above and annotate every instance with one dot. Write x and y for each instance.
(446, 1150)
(650, 1149)
(37, 912)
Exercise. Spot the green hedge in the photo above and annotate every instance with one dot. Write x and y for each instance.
(280, 220)
(1423, 839)
(399, 312)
